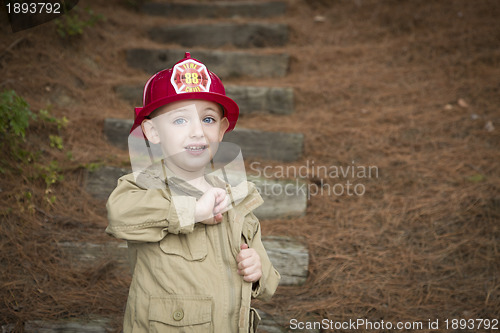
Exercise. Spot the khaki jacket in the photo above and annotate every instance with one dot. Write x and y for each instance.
(185, 273)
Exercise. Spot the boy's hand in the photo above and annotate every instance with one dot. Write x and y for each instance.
(249, 265)
(211, 205)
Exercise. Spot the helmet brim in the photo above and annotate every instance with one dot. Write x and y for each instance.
(231, 109)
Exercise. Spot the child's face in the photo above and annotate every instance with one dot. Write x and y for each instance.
(189, 132)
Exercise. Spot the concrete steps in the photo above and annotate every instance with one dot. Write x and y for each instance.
(281, 198)
(74, 325)
(218, 9)
(226, 64)
(219, 34)
(278, 146)
(272, 100)
(288, 255)
(269, 324)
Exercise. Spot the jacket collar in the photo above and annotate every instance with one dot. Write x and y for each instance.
(155, 177)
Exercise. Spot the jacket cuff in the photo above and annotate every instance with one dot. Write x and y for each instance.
(264, 288)
(181, 214)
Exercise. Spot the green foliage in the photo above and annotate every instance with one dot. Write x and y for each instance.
(93, 166)
(476, 178)
(24, 201)
(56, 141)
(72, 24)
(29, 157)
(23, 155)
(15, 115)
(50, 173)
(47, 117)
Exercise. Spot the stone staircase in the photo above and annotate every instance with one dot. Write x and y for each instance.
(272, 100)
(288, 255)
(222, 9)
(246, 35)
(226, 64)
(283, 147)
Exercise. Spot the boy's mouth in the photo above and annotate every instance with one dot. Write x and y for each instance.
(196, 148)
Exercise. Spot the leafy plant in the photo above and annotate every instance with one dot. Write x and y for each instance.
(51, 173)
(47, 117)
(93, 166)
(56, 141)
(27, 152)
(72, 24)
(15, 114)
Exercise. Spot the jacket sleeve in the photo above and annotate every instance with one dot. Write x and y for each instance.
(264, 288)
(147, 215)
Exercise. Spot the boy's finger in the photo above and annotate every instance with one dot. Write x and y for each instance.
(248, 278)
(218, 217)
(226, 203)
(244, 253)
(252, 277)
(246, 263)
(248, 270)
(217, 196)
(220, 195)
(212, 220)
(220, 206)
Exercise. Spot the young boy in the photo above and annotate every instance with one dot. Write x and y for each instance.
(194, 244)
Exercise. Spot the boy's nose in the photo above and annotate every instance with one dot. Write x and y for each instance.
(196, 129)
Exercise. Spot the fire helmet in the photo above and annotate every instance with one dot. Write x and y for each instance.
(187, 79)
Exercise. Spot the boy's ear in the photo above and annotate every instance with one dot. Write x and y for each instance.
(224, 124)
(149, 130)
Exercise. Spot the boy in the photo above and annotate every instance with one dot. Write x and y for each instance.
(194, 244)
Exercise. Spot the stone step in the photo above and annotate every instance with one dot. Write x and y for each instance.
(274, 100)
(289, 256)
(101, 325)
(101, 182)
(73, 325)
(281, 198)
(220, 9)
(224, 63)
(277, 146)
(268, 324)
(219, 34)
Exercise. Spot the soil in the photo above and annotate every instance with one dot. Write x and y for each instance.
(410, 88)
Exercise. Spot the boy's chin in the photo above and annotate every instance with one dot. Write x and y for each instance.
(191, 161)
(194, 163)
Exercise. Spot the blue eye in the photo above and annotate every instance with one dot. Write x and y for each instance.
(179, 121)
(208, 120)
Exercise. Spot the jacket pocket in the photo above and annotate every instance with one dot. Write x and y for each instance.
(192, 246)
(254, 320)
(176, 313)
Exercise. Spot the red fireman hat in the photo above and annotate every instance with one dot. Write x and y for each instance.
(187, 79)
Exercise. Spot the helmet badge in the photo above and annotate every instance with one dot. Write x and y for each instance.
(190, 76)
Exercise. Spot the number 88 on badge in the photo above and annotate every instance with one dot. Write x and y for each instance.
(190, 76)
